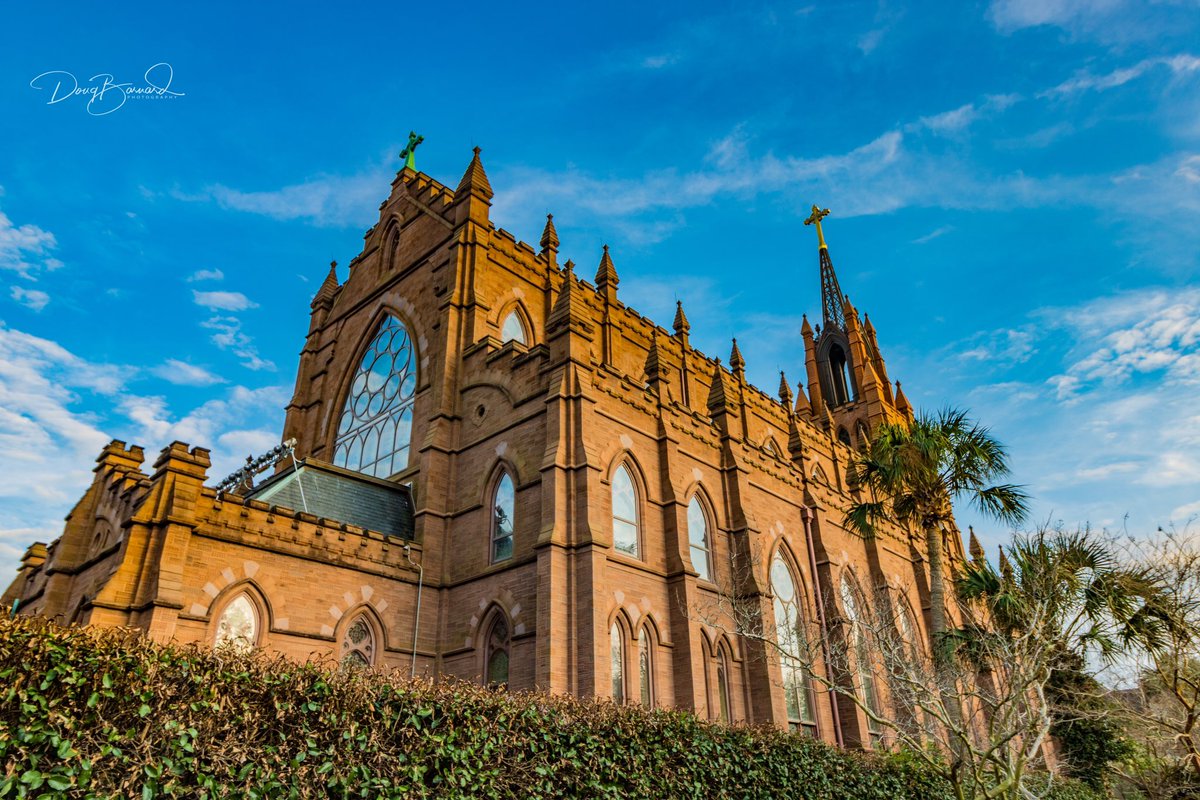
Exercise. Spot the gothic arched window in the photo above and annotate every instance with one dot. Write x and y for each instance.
(238, 625)
(358, 645)
(498, 644)
(376, 425)
(513, 330)
(616, 653)
(698, 539)
(839, 375)
(790, 637)
(645, 669)
(624, 512)
(502, 519)
(722, 670)
(859, 644)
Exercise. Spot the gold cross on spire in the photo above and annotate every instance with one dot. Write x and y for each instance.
(815, 219)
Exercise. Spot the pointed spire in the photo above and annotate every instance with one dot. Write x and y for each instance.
(785, 391)
(549, 240)
(803, 407)
(975, 548)
(328, 288)
(682, 327)
(606, 276)
(474, 180)
(736, 363)
(832, 301)
(902, 404)
(569, 307)
(1006, 568)
(805, 329)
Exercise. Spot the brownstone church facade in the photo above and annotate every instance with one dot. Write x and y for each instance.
(505, 474)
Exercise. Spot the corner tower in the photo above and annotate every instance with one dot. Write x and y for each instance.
(847, 378)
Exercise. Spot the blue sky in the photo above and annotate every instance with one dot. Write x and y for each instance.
(1015, 189)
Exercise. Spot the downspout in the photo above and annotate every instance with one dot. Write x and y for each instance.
(807, 514)
(417, 614)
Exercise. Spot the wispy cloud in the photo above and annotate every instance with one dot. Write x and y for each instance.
(26, 249)
(223, 301)
(1005, 347)
(228, 335)
(206, 275)
(182, 373)
(325, 200)
(30, 298)
(1182, 64)
(933, 234)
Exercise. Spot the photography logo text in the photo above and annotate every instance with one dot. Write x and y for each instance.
(103, 93)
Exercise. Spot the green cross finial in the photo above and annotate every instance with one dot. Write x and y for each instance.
(408, 154)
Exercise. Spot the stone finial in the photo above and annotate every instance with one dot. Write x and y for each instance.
(474, 180)
(802, 404)
(328, 288)
(805, 329)
(975, 548)
(785, 391)
(682, 327)
(549, 240)
(606, 273)
(736, 363)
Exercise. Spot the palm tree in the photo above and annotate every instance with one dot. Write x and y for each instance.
(911, 473)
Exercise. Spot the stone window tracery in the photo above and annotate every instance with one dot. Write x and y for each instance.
(498, 645)
(358, 645)
(375, 429)
(859, 645)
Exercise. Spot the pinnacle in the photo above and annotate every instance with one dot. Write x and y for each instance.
(329, 286)
(606, 273)
(475, 179)
(681, 321)
(976, 549)
(805, 328)
(736, 362)
(549, 235)
(785, 391)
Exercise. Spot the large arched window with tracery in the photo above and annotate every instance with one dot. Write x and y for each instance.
(238, 624)
(793, 647)
(859, 644)
(375, 429)
(499, 642)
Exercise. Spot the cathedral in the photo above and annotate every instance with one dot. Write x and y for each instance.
(496, 470)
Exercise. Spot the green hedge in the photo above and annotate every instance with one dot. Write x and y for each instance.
(93, 712)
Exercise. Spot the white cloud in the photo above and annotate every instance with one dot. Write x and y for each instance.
(206, 275)
(1182, 64)
(326, 200)
(228, 335)
(1005, 347)
(933, 234)
(1013, 15)
(952, 121)
(30, 298)
(182, 373)
(25, 249)
(223, 301)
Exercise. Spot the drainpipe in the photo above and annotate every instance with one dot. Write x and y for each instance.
(807, 514)
(417, 616)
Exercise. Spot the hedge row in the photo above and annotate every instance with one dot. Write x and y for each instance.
(104, 713)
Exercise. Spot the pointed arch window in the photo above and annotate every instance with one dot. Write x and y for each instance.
(616, 653)
(624, 512)
(722, 670)
(358, 645)
(839, 376)
(499, 642)
(699, 540)
(793, 647)
(513, 329)
(859, 645)
(238, 625)
(645, 670)
(503, 503)
(375, 429)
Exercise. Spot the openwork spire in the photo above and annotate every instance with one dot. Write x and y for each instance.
(832, 300)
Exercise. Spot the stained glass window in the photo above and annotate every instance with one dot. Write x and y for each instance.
(645, 674)
(624, 503)
(358, 646)
(497, 653)
(376, 425)
(502, 520)
(698, 539)
(512, 330)
(238, 625)
(616, 651)
(789, 635)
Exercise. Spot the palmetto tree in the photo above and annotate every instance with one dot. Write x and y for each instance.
(911, 473)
